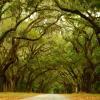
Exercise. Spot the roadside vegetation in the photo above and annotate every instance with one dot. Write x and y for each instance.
(83, 96)
(15, 96)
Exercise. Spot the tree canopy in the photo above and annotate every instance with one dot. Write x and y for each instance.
(50, 45)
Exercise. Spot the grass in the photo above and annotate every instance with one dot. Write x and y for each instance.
(15, 95)
(83, 96)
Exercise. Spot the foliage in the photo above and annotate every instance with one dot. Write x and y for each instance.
(50, 46)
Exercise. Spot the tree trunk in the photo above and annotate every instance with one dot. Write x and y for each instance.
(2, 81)
(86, 85)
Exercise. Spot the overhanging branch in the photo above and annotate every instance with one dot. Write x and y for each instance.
(77, 12)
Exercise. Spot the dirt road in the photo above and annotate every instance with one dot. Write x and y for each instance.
(47, 97)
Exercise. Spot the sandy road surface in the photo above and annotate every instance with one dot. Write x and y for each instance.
(47, 97)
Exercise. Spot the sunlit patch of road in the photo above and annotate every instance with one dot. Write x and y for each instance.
(48, 97)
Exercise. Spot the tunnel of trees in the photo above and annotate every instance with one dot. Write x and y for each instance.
(50, 46)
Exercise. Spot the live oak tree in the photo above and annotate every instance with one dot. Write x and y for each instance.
(39, 37)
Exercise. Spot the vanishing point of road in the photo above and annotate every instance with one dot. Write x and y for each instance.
(48, 97)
